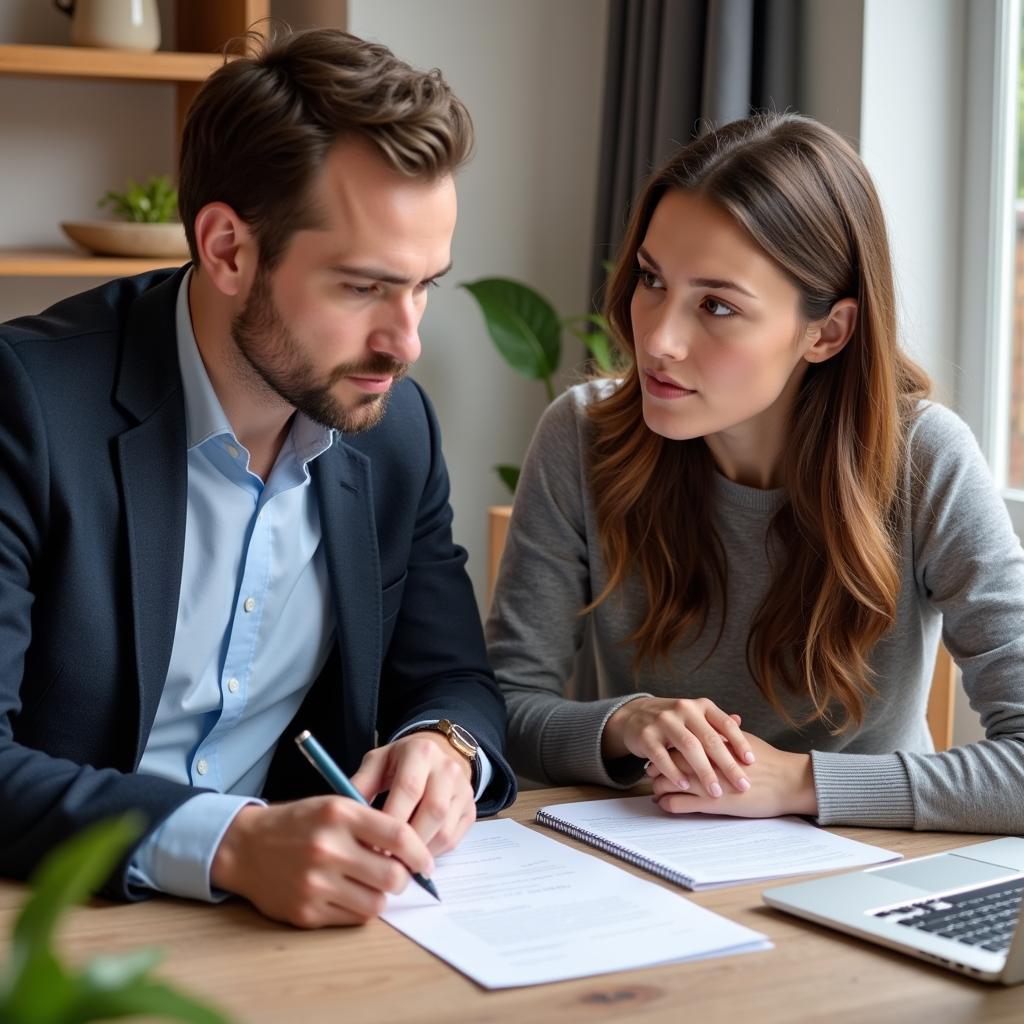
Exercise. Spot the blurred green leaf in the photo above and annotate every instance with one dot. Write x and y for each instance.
(596, 335)
(36, 989)
(601, 350)
(142, 997)
(522, 325)
(69, 875)
(104, 973)
(509, 476)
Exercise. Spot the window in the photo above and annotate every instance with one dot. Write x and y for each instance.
(991, 351)
(1015, 376)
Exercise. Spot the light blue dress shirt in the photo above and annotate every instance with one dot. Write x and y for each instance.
(254, 629)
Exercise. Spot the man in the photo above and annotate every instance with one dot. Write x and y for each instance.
(224, 515)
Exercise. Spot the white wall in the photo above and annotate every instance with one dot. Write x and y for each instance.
(911, 140)
(891, 76)
(531, 73)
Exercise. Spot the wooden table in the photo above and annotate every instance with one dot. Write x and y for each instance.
(265, 973)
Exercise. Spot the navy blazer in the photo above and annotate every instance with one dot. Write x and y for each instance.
(92, 526)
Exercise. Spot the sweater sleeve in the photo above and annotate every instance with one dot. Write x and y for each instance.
(535, 630)
(969, 564)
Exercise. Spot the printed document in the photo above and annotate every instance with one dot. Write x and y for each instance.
(519, 908)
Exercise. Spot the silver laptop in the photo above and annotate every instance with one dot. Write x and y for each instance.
(961, 909)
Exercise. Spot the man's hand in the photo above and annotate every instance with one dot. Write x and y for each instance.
(696, 735)
(428, 784)
(323, 861)
(329, 860)
(780, 783)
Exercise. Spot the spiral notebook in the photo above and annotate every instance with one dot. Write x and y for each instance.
(704, 851)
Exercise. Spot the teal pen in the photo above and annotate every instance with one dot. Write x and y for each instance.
(342, 785)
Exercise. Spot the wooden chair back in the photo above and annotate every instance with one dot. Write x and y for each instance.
(942, 699)
(497, 531)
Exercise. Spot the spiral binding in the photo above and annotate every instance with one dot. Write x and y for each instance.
(607, 846)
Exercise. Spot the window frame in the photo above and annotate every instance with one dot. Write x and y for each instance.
(989, 188)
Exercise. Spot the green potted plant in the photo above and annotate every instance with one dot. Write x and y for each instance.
(147, 222)
(156, 202)
(527, 332)
(36, 988)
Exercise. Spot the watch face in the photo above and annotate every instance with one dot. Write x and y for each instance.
(462, 740)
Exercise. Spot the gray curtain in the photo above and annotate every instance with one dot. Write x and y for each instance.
(672, 65)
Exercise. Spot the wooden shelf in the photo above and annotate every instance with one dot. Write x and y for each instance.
(90, 62)
(75, 263)
(202, 28)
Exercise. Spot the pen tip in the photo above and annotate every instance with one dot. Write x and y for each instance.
(303, 736)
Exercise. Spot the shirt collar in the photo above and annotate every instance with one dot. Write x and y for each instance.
(204, 416)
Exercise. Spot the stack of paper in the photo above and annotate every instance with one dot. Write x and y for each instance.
(519, 908)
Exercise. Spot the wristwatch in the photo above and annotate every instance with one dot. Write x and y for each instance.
(462, 740)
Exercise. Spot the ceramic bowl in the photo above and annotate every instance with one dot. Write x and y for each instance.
(124, 238)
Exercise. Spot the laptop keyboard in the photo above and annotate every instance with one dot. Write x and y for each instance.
(986, 918)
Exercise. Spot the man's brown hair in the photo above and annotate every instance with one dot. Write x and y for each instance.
(260, 128)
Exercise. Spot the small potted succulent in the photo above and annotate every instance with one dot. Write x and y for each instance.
(147, 223)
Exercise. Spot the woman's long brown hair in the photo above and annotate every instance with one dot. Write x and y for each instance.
(807, 200)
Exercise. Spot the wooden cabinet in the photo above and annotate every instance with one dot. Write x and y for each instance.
(202, 29)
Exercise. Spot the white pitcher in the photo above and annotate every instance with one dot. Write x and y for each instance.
(119, 24)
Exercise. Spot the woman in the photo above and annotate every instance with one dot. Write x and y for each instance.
(762, 522)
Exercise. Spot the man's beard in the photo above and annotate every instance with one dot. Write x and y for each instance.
(270, 348)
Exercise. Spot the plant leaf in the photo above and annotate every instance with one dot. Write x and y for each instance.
(35, 988)
(156, 202)
(509, 476)
(522, 325)
(73, 871)
(599, 346)
(597, 339)
(142, 997)
(104, 973)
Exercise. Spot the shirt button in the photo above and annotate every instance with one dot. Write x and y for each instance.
(233, 685)
(232, 451)
(202, 767)
(250, 603)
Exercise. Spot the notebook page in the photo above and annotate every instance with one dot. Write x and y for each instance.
(716, 850)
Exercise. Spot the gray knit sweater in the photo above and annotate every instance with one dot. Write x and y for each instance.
(962, 574)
